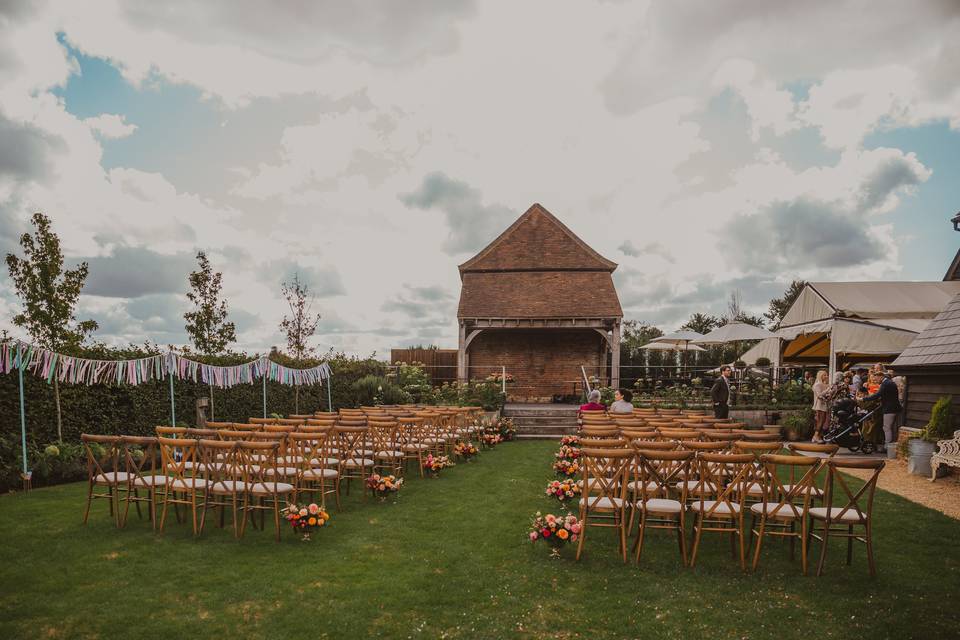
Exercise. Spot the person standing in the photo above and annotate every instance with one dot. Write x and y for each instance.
(720, 393)
(821, 408)
(889, 396)
(622, 402)
(856, 383)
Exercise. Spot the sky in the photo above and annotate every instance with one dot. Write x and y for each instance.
(372, 147)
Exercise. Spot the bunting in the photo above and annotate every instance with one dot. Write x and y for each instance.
(48, 365)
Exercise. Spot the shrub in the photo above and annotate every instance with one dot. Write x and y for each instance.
(800, 422)
(763, 362)
(367, 389)
(940, 425)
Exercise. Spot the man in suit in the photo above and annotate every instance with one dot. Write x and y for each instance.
(720, 393)
(889, 396)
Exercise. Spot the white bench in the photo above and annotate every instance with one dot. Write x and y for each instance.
(948, 453)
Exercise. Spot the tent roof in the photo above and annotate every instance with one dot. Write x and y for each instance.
(939, 343)
(870, 300)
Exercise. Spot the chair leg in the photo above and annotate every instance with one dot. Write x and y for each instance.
(193, 509)
(236, 533)
(166, 503)
(823, 549)
(849, 544)
(86, 512)
(246, 511)
(698, 529)
(682, 539)
(743, 551)
(276, 516)
(804, 542)
(583, 534)
(869, 537)
(759, 534)
(623, 535)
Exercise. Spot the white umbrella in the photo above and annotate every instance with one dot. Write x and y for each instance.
(679, 337)
(735, 332)
(666, 346)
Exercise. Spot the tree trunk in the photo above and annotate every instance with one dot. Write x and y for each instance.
(56, 400)
(296, 400)
(212, 419)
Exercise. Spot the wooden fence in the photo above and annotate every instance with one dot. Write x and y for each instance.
(440, 364)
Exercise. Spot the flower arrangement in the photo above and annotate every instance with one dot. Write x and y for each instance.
(466, 450)
(383, 486)
(566, 468)
(570, 441)
(563, 490)
(567, 453)
(556, 531)
(433, 465)
(506, 429)
(498, 376)
(306, 519)
(492, 439)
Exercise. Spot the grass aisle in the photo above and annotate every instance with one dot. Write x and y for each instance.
(450, 559)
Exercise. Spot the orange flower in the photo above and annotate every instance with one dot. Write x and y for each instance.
(562, 534)
(312, 521)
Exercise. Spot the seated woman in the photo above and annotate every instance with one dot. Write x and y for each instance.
(622, 402)
(593, 402)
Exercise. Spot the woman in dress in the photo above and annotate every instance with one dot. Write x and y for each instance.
(821, 408)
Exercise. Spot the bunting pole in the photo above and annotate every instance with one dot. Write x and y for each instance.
(329, 393)
(23, 416)
(264, 377)
(173, 408)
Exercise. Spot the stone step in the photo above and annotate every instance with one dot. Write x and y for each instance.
(539, 436)
(546, 429)
(544, 420)
(551, 413)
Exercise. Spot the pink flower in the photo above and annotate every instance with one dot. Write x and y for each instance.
(551, 519)
(313, 509)
(575, 528)
(533, 536)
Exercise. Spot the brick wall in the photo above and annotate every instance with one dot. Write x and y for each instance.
(543, 362)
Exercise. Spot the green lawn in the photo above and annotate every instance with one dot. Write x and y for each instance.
(450, 558)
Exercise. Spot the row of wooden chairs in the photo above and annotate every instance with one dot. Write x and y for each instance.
(663, 481)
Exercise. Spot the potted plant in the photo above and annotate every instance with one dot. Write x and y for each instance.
(922, 446)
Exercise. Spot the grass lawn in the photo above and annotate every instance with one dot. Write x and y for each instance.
(450, 558)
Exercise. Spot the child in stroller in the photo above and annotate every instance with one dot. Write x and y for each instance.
(846, 427)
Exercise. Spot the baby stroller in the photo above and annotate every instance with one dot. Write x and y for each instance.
(846, 427)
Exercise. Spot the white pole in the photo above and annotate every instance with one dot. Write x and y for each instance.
(503, 380)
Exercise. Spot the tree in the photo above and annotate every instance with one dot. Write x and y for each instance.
(49, 295)
(702, 323)
(300, 326)
(635, 334)
(207, 324)
(780, 306)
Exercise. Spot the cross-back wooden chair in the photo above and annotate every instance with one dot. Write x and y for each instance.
(354, 462)
(606, 431)
(722, 511)
(263, 490)
(846, 510)
(246, 426)
(319, 472)
(179, 459)
(140, 455)
(192, 432)
(262, 421)
(678, 434)
(714, 435)
(782, 508)
(103, 471)
(411, 440)
(387, 455)
(218, 459)
(219, 425)
(656, 472)
(605, 476)
(820, 450)
(171, 432)
(756, 490)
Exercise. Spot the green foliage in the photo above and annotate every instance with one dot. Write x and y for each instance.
(207, 323)
(800, 422)
(940, 426)
(794, 392)
(413, 379)
(763, 361)
(368, 389)
(393, 394)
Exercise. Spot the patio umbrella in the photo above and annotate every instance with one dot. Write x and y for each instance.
(681, 338)
(666, 346)
(735, 332)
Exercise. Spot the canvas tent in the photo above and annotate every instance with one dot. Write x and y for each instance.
(836, 322)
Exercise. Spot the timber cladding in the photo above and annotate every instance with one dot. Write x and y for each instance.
(440, 364)
(924, 388)
(542, 363)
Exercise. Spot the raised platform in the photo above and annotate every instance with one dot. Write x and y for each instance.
(542, 421)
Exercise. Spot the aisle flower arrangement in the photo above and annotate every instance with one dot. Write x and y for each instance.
(306, 519)
(383, 486)
(466, 450)
(506, 429)
(570, 441)
(566, 468)
(492, 439)
(567, 453)
(563, 490)
(433, 465)
(556, 531)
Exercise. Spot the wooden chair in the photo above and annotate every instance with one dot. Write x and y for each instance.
(171, 432)
(605, 476)
(756, 491)
(200, 433)
(723, 511)
(103, 470)
(140, 454)
(387, 455)
(801, 448)
(656, 473)
(263, 489)
(219, 425)
(782, 508)
(856, 512)
(600, 432)
(218, 459)
(354, 461)
(179, 459)
(262, 421)
(411, 440)
(319, 472)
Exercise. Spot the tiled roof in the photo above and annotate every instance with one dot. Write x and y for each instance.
(539, 294)
(939, 343)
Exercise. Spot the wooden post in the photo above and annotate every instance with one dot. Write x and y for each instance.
(462, 354)
(615, 357)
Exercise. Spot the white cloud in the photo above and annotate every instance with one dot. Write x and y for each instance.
(110, 126)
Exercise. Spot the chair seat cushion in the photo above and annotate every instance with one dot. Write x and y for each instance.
(660, 505)
(415, 447)
(723, 509)
(754, 489)
(227, 486)
(316, 474)
(814, 491)
(112, 477)
(282, 471)
(325, 462)
(820, 513)
(389, 455)
(186, 484)
(695, 486)
(268, 488)
(150, 481)
(356, 462)
(786, 512)
(596, 502)
(636, 485)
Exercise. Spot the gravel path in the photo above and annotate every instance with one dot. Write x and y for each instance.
(942, 495)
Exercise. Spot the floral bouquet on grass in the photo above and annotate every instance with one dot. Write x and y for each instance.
(466, 450)
(492, 439)
(306, 519)
(566, 468)
(570, 441)
(556, 531)
(506, 429)
(433, 465)
(567, 453)
(383, 486)
(563, 490)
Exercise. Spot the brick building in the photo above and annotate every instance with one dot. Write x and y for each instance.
(540, 302)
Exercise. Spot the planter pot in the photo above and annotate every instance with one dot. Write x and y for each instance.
(918, 461)
(773, 429)
(791, 435)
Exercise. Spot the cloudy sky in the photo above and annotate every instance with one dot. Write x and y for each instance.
(371, 147)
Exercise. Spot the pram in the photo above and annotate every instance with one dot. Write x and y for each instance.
(846, 427)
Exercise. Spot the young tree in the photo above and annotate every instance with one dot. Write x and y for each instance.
(780, 306)
(207, 324)
(300, 326)
(49, 295)
(702, 323)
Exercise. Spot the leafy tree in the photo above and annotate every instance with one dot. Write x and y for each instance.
(634, 335)
(780, 306)
(207, 323)
(702, 323)
(300, 326)
(49, 295)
